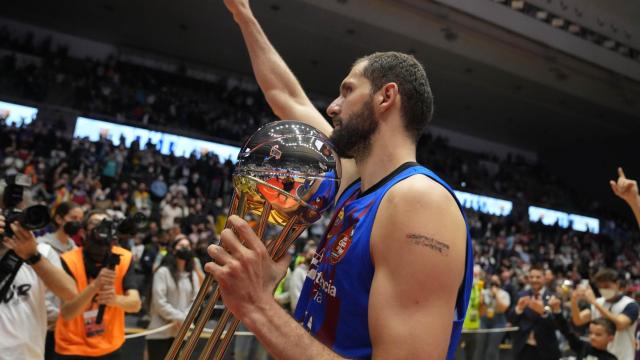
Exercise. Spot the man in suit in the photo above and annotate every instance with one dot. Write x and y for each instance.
(536, 337)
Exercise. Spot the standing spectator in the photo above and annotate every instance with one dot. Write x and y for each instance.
(612, 305)
(170, 211)
(494, 303)
(296, 279)
(601, 333)
(141, 200)
(535, 338)
(67, 220)
(472, 320)
(175, 286)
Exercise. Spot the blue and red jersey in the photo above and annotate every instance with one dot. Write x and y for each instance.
(334, 301)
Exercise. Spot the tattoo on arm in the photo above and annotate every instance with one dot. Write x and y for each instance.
(428, 242)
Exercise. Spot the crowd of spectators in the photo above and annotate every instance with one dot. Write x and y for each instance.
(230, 107)
(186, 197)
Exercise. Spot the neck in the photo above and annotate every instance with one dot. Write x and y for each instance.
(62, 236)
(386, 154)
(181, 264)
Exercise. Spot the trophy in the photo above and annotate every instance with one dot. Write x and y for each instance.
(287, 175)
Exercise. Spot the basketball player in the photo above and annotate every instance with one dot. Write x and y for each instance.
(391, 278)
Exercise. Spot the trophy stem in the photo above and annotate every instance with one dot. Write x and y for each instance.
(226, 340)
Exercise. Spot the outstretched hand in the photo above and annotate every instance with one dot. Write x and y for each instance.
(245, 272)
(626, 189)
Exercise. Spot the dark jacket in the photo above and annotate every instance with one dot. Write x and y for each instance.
(581, 348)
(543, 328)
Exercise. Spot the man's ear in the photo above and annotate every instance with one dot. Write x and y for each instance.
(387, 97)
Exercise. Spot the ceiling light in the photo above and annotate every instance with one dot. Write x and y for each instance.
(517, 4)
(574, 29)
(542, 15)
(557, 22)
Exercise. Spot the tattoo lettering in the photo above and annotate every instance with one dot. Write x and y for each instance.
(428, 242)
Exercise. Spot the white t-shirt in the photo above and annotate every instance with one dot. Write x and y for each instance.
(23, 313)
(623, 344)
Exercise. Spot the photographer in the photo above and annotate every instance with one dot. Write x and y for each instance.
(23, 316)
(78, 333)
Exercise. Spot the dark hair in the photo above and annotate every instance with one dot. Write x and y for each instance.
(413, 85)
(607, 324)
(169, 261)
(91, 214)
(62, 210)
(605, 275)
(537, 267)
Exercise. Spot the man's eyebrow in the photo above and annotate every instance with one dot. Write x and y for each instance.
(345, 84)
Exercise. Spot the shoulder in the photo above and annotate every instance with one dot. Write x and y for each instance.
(423, 189)
(48, 252)
(419, 231)
(161, 272)
(632, 310)
(421, 205)
(121, 251)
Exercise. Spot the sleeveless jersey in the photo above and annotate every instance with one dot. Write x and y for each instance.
(334, 301)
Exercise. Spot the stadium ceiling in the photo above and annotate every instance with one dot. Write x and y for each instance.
(488, 82)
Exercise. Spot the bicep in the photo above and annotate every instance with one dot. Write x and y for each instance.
(419, 269)
(408, 326)
(628, 316)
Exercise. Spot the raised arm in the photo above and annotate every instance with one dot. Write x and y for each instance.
(281, 88)
(47, 268)
(627, 190)
(418, 246)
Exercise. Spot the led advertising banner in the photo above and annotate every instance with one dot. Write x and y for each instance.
(551, 217)
(484, 204)
(166, 143)
(19, 115)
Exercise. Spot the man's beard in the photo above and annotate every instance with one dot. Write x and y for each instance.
(353, 139)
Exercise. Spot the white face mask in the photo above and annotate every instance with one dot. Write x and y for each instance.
(607, 294)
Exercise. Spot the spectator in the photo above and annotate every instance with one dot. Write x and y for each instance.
(23, 312)
(67, 220)
(77, 332)
(175, 286)
(141, 200)
(494, 304)
(296, 278)
(613, 305)
(535, 338)
(472, 321)
(601, 333)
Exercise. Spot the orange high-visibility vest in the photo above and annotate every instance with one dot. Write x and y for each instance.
(70, 334)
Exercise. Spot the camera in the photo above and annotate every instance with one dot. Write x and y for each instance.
(31, 218)
(107, 230)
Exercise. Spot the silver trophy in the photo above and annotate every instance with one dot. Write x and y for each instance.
(287, 175)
